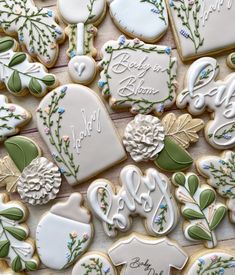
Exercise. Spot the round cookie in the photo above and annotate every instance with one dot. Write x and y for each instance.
(94, 263)
(64, 233)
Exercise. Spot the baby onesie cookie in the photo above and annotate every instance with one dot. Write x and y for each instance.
(138, 76)
(77, 129)
(218, 261)
(200, 209)
(94, 263)
(147, 138)
(140, 254)
(203, 93)
(130, 15)
(82, 17)
(19, 74)
(36, 28)
(12, 118)
(194, 24)
(146, 195)
(220, 174)
(15, 246)
(64, 233)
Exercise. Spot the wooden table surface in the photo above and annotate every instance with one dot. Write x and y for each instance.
(107, 31)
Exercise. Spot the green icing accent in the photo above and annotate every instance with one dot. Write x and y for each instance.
(95, 265)
(17, 59)
(180, 179)
(197, 233)
(192, 214)
(6, 43)
(193, 183)
(16, 264)
(30, 266)
(48, 80)
(22, 151)
(17, 233)
(34, 86)
(207, 197)
(159, 5)
(13, 213)
(173, 157)
(233, 58)
(4, 248)
(218, 216)
(14, 83)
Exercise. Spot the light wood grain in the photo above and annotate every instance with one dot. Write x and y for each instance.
(107, 31)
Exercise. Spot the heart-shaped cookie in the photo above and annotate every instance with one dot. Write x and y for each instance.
(76, 127)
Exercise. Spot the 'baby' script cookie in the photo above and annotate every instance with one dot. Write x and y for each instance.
(79, 133)
(203, 93)
(138, 76)
(145, 195)
(197, 23)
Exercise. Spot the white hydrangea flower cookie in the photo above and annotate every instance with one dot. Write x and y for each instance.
(82, 16)
(138, 76)
(36, 28)
(21, 76)
(138, 254)
(220, 174)
(64, 233)
(194, 22)
(12, 118)
(94, 263)
(146, 195)
(216, 261)
(129, 16)
(202, 92)
(77, 129)
(202, 212)
(16, 248)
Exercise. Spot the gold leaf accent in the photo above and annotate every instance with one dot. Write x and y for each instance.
(9, 174)
(182, 129)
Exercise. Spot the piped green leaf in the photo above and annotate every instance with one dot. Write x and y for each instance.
(31, 266)
(4, 248)
(35, 87)
(192, 214)
(193, 183)
(197, 233)
(17, 59)
(14, 83)
(17, 233)
(218, 217)
(6, 43)
(207, 197)
(13, 213)
(233, 59)
(179, 179)
(173, 157)
(48, 80)
(16, 264)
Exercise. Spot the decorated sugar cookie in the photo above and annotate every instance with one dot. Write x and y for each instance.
(220, 174)
(194, 23)
(12, 118)
(200, 209)
(202, 92)
(147, 138)
(36, 28)
(130, 15)
(138, 76)
(6, 270)
(64, 233)
(19, 74)
(145, 195)
(15, 246)
(94, 263)
(138, 254)
(211, 262)
(82, 17)
(77, 129)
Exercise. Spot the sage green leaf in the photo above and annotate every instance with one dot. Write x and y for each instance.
(35, 87)
(16, 264)
(17, 59)
(4, 248)
(192, 214)
(22, 151)
(173, 157)
(6, 43)
(31, 266)
(179, 179)
(197, 233)
(13, 213)
(49, 80)
(14, 83)
(17, 233)
(233, 58)
(218, 217)
(193, 183)
(207, 197)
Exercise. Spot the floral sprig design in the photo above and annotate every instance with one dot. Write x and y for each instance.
(160, 220)
(52, 117)
(186, 13)
(159, 8)
(200, 208)
(97, 266)
(74, 246)
(216, 266)
(35, 27)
